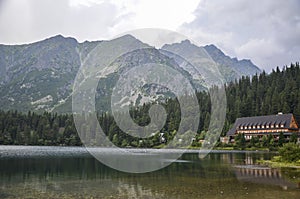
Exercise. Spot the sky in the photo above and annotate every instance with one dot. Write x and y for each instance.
(265, 31)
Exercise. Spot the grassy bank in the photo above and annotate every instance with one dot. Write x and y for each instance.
(245, 149)
(289, 156)
(277, 164)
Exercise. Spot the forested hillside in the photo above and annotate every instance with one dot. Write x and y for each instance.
(264, 94)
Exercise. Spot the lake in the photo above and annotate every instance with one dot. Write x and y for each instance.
(70, 172)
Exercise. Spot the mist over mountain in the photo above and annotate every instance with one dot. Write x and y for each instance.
(40, 76)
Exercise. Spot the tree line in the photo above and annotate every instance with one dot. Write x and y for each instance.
(261, 94)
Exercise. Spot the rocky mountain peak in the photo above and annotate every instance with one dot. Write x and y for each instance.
(39, 76)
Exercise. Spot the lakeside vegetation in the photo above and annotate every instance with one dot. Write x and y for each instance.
(289, 156)
(264, 94)
(267, 143)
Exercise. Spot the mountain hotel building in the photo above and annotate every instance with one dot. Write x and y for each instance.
(265, 125)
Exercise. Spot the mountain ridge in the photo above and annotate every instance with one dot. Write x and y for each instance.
(223, 59)
(40, 75)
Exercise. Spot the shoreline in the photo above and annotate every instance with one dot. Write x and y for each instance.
(7, 151)
(274, 164)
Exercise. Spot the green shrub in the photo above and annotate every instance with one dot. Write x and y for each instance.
(290, 152)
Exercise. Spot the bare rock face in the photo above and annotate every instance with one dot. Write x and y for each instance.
(40, 76)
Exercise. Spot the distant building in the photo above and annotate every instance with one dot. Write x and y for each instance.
(264, 125)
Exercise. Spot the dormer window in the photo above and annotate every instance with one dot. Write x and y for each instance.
(245, 127)
(253, 127)
(262, 126)
(258, 126)
(249, 127)
(267, 126)
(281, 125)
(277, 125)
(272, 125)
(241, 127)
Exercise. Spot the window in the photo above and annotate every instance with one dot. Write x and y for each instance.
(262, 126)
(267, 126)
(258, 126)
(277, 125)
(281, 125)
(253, 127)
(272, 125)
(241, 127)
(245, 127)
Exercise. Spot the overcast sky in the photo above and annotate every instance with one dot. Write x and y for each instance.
(265, 31)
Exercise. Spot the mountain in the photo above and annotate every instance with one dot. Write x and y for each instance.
(40, 76)
(230, 68)
(239, 68)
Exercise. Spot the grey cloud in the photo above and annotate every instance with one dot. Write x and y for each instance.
(40, 19)
(265, 31)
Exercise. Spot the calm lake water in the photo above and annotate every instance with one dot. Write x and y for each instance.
(70, 172)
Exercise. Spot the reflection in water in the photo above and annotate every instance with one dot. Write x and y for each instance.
(264, 175)
(74, 177)
(219, 175)
(252, 172)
